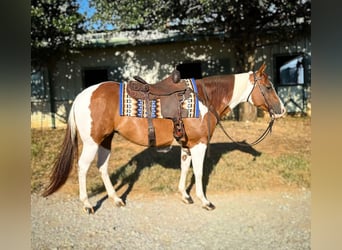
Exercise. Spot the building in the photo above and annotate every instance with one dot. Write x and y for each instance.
(119, 56)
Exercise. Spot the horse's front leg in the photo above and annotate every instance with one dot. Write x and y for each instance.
(185, 165)
(198, 154)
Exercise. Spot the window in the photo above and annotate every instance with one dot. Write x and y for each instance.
(38, 90)
(289, 69)
(292, 81)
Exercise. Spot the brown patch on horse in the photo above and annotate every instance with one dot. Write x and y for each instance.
(219, 90)
(196, 130)
(103, 109)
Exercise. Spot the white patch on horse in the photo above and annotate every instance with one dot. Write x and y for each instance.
(198, 154)
(242, 88)
(203, 109)
(83, 120)
(81, 114)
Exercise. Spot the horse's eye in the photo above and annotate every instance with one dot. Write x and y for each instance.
(268, 87)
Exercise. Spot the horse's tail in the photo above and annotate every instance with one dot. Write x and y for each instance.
(66, 158)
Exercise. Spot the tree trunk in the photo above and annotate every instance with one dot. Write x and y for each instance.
(247, 112)
(51, 68)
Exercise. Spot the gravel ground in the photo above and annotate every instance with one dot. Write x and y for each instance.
(241, 220)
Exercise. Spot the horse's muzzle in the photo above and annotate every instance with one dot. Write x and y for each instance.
(280, 113)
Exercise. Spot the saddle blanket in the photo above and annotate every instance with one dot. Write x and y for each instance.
(137, 107)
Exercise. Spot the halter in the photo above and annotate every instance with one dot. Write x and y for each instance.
(244, 143)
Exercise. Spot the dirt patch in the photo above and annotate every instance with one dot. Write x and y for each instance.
(282, 160)
(242, 220)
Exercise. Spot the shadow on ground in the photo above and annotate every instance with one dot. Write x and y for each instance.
(171, 159)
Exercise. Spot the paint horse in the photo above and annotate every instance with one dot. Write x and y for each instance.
(95, 115)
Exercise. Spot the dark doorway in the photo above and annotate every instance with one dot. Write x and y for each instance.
(190, 70)
(94, 76)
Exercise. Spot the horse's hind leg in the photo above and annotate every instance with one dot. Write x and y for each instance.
(185, 165)
(87, 156)
(102, 163)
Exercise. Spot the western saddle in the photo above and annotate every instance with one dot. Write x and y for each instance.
(171, 92)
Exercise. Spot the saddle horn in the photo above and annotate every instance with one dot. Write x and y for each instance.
(176, 77)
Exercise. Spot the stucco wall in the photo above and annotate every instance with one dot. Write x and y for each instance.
(152, 62)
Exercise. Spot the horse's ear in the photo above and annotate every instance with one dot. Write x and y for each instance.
(262, 68)
(176, 76)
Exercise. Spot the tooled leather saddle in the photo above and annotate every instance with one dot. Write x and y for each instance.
(171, 92)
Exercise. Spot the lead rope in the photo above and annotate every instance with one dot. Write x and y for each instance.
(246, 144)
(268, 129)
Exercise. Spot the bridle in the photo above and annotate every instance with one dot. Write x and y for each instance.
(256, 82)
(244, 143)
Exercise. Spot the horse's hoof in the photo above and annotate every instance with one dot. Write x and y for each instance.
(88, 210)
(187, 200)
(209, 206)
(119, 203)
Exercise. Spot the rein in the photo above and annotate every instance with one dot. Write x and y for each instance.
(267, 131)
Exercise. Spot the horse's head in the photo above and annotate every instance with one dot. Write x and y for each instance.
(264, 95)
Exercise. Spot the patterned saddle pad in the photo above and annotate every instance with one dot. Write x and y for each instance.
(138, 107)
